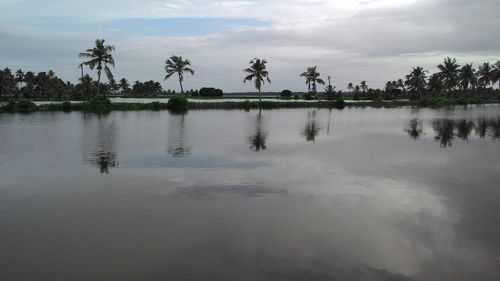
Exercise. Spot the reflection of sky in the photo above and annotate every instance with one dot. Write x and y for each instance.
(363, 202)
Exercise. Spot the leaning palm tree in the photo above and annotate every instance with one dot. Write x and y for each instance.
(449, 70)
(257, 72)
(467, 76)
(312, 77)
(484, 75)
(416, 81)
(100, 56)
(177, 65)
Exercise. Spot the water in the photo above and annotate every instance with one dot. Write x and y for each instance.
(358, 194)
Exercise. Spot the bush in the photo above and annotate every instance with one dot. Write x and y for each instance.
(340, 103)
(99, 104)
(296, 97)
(210, 92)
(286, 94)
(178, 103)
(155, 105)
(66, 106)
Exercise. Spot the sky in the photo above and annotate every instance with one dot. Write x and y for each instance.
(350, 40)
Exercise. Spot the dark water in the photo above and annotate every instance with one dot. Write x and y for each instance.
(358, 194)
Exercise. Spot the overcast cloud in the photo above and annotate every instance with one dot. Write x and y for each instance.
(373, 40)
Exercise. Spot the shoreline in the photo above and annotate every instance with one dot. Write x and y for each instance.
(247, 104)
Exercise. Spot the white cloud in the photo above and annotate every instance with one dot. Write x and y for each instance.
(350, 40)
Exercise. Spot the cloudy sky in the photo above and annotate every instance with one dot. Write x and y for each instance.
(351, 40)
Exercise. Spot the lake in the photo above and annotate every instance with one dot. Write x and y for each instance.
(295, 194)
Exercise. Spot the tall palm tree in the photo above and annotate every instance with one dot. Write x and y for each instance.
(257, 72)
(177, 65)
(484, 75)
(467, 76)
(449, 71)
(312, 77)
(416, 81)
(100, 56)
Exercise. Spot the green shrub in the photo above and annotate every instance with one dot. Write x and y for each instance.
(210, 92)
(155, 105)
(99, 104)
(66, 106)
(286, 94)
(178, 103)
(340, 104)
(296, 97)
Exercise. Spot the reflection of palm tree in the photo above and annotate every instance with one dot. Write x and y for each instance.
(482, 127)
(329, 122)
(415, 129)
(312, 127)
(464, 129)
(99, 137)
(444, 131)
(257, 141)
(177, 137)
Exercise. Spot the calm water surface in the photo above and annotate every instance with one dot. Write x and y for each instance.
(358, 194)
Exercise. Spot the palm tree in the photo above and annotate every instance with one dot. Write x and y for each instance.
(177, 65)
(484, 75)
(467, 76)
(312, 77)
(416, 81)
(435, 84)
(124, 86)
(19, 78)
(350, 87)
(100, 56)
(496, 74)
(449, 70)
(257, 71)
(363, 86)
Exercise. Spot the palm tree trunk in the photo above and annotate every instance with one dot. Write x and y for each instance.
(180, 83)
(260, 99)
(98, 81)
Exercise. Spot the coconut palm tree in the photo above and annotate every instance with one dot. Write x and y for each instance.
(484, 75)
(124, 86)
(467, 76)
(496, 74)
(435, 84)
(177, 65)
(449, 71)
(257, 72)
(312, 77)
(416, 81)
(363, 86)
(100, 57)
(350, 87)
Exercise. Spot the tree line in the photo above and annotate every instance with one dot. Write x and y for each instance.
(451, 80)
